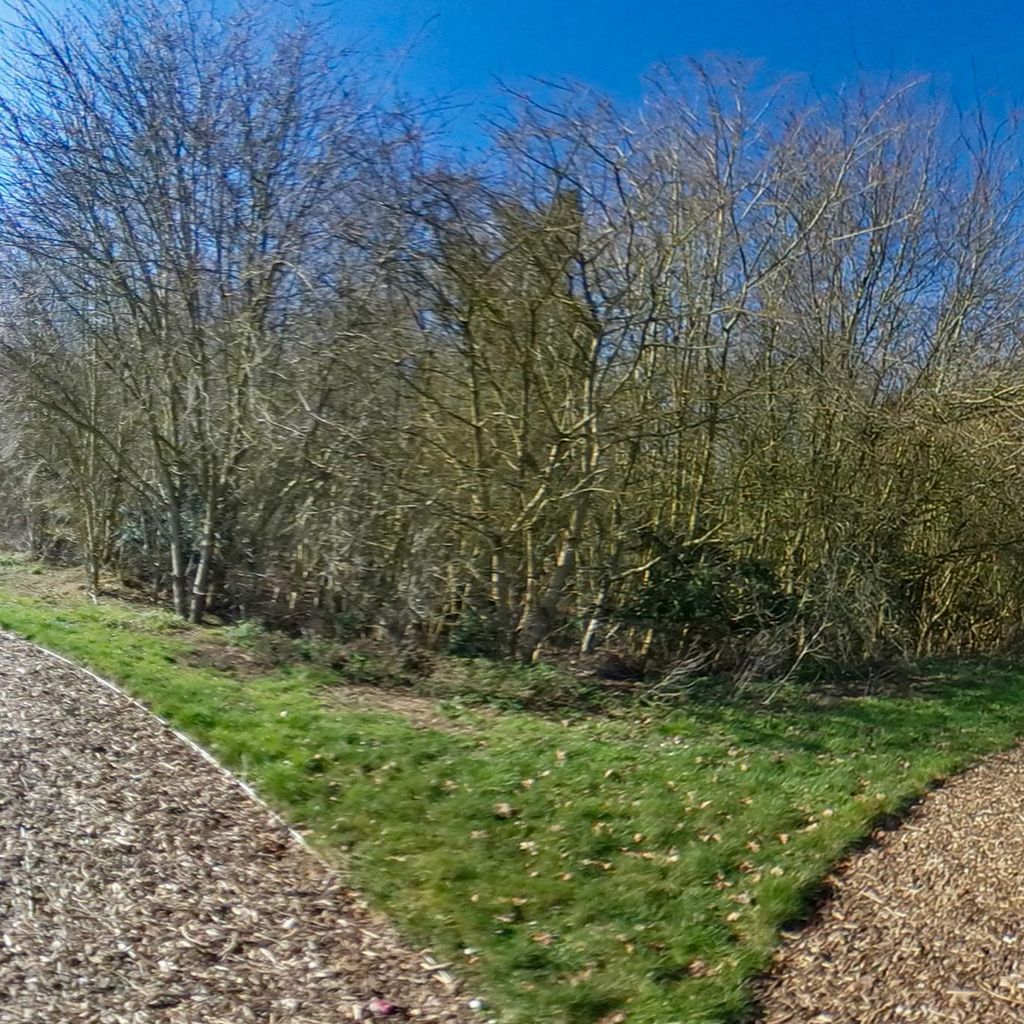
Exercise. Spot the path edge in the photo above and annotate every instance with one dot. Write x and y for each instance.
(450, 982)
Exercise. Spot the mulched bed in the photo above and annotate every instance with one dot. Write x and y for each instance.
(927, 924)
(139, 883)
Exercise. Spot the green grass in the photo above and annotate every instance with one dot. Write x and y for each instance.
(647, 864)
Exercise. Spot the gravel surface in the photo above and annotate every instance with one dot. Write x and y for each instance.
(927, 925)
(138, 882)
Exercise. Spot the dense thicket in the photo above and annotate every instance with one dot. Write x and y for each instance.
(730, 380)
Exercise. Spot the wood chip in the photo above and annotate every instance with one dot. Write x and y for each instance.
(139, 883)
(924, 925)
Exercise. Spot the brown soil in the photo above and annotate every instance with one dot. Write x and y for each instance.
(926, 925)
(421, 712)
(51, 584)
(139, 883)
(232, 661)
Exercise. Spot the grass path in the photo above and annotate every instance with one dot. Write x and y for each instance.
(574, 870)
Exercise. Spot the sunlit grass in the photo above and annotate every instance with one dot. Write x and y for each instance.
(643, 865)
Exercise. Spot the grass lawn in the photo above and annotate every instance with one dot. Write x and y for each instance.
(641, 862)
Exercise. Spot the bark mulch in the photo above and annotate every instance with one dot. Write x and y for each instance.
(927, 924)
(139, 883)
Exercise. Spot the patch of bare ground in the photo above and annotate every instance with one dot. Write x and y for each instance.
(346, 695)
(139, 884)
(231, 661)
(927, 924)
(54, 584)
(421, 712)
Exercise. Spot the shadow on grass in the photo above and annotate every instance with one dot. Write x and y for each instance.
(818, 895)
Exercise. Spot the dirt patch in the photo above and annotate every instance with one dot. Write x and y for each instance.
(231, 661)
(56, 585)
(421, 712)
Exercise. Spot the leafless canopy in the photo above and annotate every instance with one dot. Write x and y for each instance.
(730, 380)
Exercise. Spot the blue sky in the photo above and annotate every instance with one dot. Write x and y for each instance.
(459, 46)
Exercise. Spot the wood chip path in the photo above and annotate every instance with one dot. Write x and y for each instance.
(925, 926)
(140, 885)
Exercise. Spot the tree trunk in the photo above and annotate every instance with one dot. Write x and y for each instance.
(204, 571)
(539, 616)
